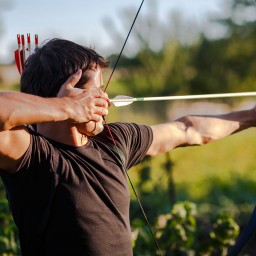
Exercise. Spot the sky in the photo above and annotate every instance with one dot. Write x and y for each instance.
(83, 20)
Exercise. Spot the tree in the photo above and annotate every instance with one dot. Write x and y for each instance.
(228, 64)
(206, 65)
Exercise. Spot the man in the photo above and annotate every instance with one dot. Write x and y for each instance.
(65, 182)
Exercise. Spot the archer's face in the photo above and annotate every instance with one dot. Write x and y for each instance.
(95, 83)
(96, 79)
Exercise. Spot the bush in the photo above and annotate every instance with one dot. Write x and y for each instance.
(184, 232)
(9, 242)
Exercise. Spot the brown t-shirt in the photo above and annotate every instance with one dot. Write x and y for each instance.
(70, 200)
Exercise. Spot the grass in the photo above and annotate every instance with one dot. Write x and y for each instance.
(235, 154)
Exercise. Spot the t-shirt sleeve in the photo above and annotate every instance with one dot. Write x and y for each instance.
(134, 140)
(39, 153)
(30, 189)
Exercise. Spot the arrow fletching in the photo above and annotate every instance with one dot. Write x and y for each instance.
(122, 100)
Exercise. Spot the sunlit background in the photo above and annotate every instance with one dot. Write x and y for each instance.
(103, 24)
(196, 199)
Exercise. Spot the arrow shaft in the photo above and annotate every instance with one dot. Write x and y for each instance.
(187, 97)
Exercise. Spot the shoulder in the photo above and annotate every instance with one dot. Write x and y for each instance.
(134, 140)
(124, 132)
(14, 144)
(129, 128)
(127, 136)
(40, 151)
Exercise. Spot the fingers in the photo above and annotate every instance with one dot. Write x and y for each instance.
(102, 111)
(86, 104)
(98, 113)
(93, 128)
(93, 109)
(100, 94)
(100, 102)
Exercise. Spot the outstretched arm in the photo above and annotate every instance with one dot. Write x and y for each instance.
(199, 130)
(18, 109)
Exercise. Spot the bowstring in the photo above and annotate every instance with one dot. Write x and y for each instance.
(121, 52)
(114, 142)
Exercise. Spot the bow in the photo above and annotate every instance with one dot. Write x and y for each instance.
(113, 140)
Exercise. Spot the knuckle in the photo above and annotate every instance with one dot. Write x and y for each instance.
(90, 113)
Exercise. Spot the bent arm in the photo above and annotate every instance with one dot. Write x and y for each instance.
(199, 130)
(18, 109)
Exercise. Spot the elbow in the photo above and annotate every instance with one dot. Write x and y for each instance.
(5, 125)
(7, 121)
(2, 126)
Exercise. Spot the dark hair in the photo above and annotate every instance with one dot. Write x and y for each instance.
(51, 65)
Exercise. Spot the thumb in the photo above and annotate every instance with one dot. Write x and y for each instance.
(70, 83)
(73, 79)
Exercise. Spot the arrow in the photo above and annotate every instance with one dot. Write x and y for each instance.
(122, 100)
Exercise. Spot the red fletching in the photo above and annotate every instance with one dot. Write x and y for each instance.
(28, 38)
(17, 60)
(22, 59)
(18, 39)
(36, 41)
(22, 39)
(20, 53)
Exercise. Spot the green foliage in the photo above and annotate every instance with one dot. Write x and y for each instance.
(200, 226)
(158, 73)
(13, 87)
(226, 198)
(177, 232)
(9, 242)
(225, 64)
(223, 234)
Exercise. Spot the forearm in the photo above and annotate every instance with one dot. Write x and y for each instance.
(204, 129)
(19, 109)
(198, 130)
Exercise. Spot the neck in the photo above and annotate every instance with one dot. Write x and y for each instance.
(63, 133)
